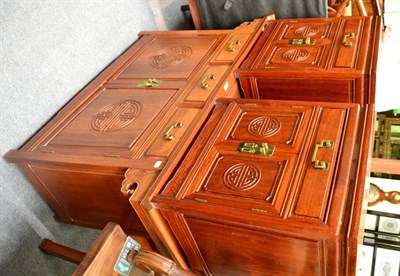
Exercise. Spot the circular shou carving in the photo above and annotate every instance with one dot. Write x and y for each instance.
(242, 177)
(306, 31)
(170, 57)
(116, 116)
(296, 55)
(264, 126)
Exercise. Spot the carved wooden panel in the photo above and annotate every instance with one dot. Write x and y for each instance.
(246, 183)
(168, 57)
(109, 123)
(284, 129)
(290, 48)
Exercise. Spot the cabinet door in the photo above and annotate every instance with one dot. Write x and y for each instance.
(332, 44)
(249, 165)
(277, 158)
(110, 123)
(167, 57)
(297, 44)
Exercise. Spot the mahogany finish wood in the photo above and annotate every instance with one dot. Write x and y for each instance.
(61, 251)
(238, 213)
(104, 253)
(126, 131)
(337, 63)
(390, 166)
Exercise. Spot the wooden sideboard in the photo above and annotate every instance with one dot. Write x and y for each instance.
(118, 142)
(273, 188)
(128, 129)
(316, 59)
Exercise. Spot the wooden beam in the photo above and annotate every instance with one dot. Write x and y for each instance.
(382, 165)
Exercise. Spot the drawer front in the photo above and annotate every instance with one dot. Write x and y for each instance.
(206, 84)
(170, 135)
(110, 123)
(232, 48)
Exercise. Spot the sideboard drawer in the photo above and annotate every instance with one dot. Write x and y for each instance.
(232, 47)
(171, 134)
(207, 82)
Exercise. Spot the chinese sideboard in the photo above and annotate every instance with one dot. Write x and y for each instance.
(135, 120)
(109, 153)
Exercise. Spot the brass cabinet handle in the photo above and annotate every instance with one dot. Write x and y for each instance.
(152, 82)
(168, 136)
(256, 149)
(231, 46)
(204, 83)
(149, 83)
(348, 43)
(301, 41)
(321, 164)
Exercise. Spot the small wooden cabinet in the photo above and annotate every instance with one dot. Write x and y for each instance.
(272, 188)
(131, 125)
(316, 59)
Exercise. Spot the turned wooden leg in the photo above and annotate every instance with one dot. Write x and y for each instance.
(61, 251)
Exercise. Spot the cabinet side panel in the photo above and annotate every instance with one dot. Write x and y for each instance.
(234, 251)
(89, 197)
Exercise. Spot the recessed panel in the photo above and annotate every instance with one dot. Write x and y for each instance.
(229, 250)
(295, 55)
(281, 129)
(168, 57)
(247, 182)
(115, 118)
(314, 29)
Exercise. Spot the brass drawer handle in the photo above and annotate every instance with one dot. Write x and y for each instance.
(348, 43)
(322, 165)
(256, 149)
(168, 136)
(231, 46)
(301, 41)
(204, 83)
(149, 83)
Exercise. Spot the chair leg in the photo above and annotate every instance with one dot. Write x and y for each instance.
(185, 8)
(61, 251)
